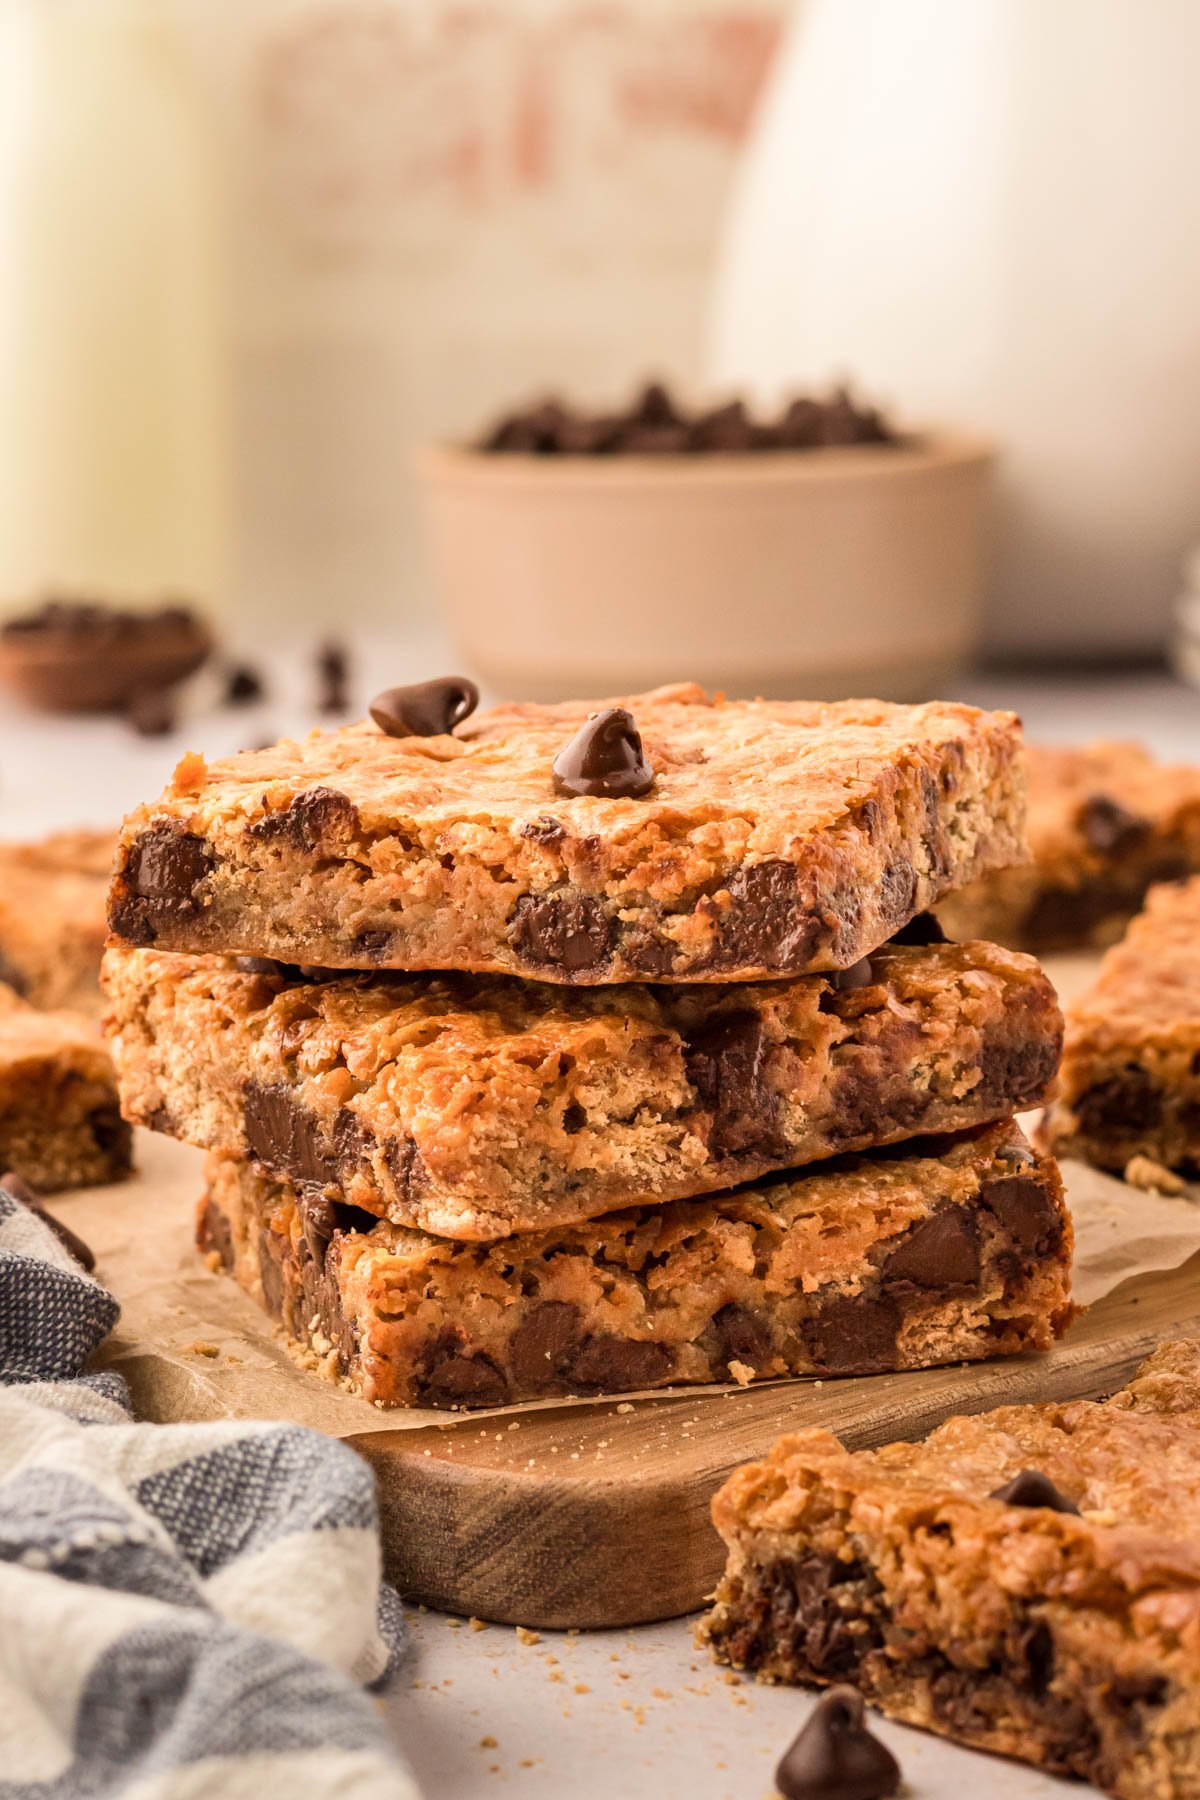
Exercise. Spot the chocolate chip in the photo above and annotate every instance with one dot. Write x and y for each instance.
(1013, 1075)
(942, 1252)
(1032, 1488)
(318, 1222)
(283, 1136)
(267, 965)
(163, 869)
(835, 1757)
(12, 1184)
(459, 1380)
(333, 670)
(922, 929)
(564, 930)
(315, 817)
(270, 1271)
(243, 685)
(427, 709)
(853, 1332)
(858, 975)
(1107, 826)
(151, 712)
(1025, 1209)
(725, 1059)
(406, 1166)
(574, 1118)
(605, 758)
(542, 1342)
(616, 1364)
(744, 1336)
(545, 831)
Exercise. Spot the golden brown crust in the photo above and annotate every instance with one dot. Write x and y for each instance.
(474, 1105)
(1105, 821)
(1130, 1083)
(960, 1249)
(778, 838)
(1069, 1639)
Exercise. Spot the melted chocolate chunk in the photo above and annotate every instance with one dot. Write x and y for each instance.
(427, 709)
(835, 1757)
(768, 924)
(545, 831)
(540, 1346)
(1031, 1488)
(942, 1252)
(1026, 1211)
(13, 1185)
(605, 758)
(725, 1060)
(1125, 1105)
(922, 929)
(1108, 827)
(270, 1271)
(163, 870)
(563, 930)
(283, 1136)
(318, 816)
(457, 1379)
(853, 1332)
(858, 975)
(615, 1363)
(744, 1336)
(407, 1168)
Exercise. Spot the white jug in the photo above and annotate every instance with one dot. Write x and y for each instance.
(988, 212)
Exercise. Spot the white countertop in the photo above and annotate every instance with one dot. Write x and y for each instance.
(625, 1715)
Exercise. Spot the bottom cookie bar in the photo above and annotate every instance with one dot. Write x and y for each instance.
(959, 1249)
(1026, 1581)
(60, 1124)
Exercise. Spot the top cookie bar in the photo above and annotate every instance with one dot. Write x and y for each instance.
(777, 838)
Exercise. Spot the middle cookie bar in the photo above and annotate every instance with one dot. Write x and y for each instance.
(474, 1107)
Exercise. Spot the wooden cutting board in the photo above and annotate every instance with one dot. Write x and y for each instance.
(591, 1514)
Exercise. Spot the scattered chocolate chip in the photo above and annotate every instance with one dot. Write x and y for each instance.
(427, 708)
(768, 925)
(858, 975)
(725, 1059)
(922, 929)
(151, 712)
(283, 1135)
(941, 1252)
(1107, 826)
(333, 672)
(464, 1380)
(20, 1190)
(243, 684)
(1032, 1488)
(615, 1363)
(163, 869)
(744, 1336)
(605, 758)
(542, 1341)
(835, 1756)
(312, 817)
(1024, 1208)
(565, 930)
(853, 1332)
(1126, 1104)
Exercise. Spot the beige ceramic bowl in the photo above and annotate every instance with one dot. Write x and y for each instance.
(816, 572)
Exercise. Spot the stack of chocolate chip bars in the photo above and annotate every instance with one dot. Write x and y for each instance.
(577, 1050)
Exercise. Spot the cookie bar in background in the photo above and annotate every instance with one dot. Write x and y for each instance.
(1026, 1581)
(1130, 1080)
(474, 1106)
(957, 1249)
(1106, 821)
(52, 917)
(667, 837)
(60, 1122)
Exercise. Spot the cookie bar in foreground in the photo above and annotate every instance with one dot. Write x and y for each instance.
(1130, 1082)
(960, 1249)
(776, 838)
(1025, 1581)
(1106, 821)
(52, 917)
(60, 1124)
(474, 1106)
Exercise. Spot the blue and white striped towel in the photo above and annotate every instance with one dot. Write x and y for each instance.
(185, 1610)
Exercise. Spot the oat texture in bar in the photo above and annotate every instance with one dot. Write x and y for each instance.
(52, 917)
(60, 1124)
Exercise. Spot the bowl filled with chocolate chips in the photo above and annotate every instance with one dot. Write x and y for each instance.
(814, 548)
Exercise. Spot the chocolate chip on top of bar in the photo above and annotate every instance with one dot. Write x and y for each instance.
(605, 758)
(427, 708)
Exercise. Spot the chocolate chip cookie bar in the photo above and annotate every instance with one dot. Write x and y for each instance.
(52, 917)
(1026, 1581)
(475, 1106)
(757, 839)
(1130, 1083)
(60, 1123)
(1106, 821)
(958, 1249)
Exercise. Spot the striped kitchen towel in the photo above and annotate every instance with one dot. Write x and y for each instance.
(185, 1610)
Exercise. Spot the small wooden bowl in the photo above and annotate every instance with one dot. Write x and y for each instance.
(815, 572)
(99, 666)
